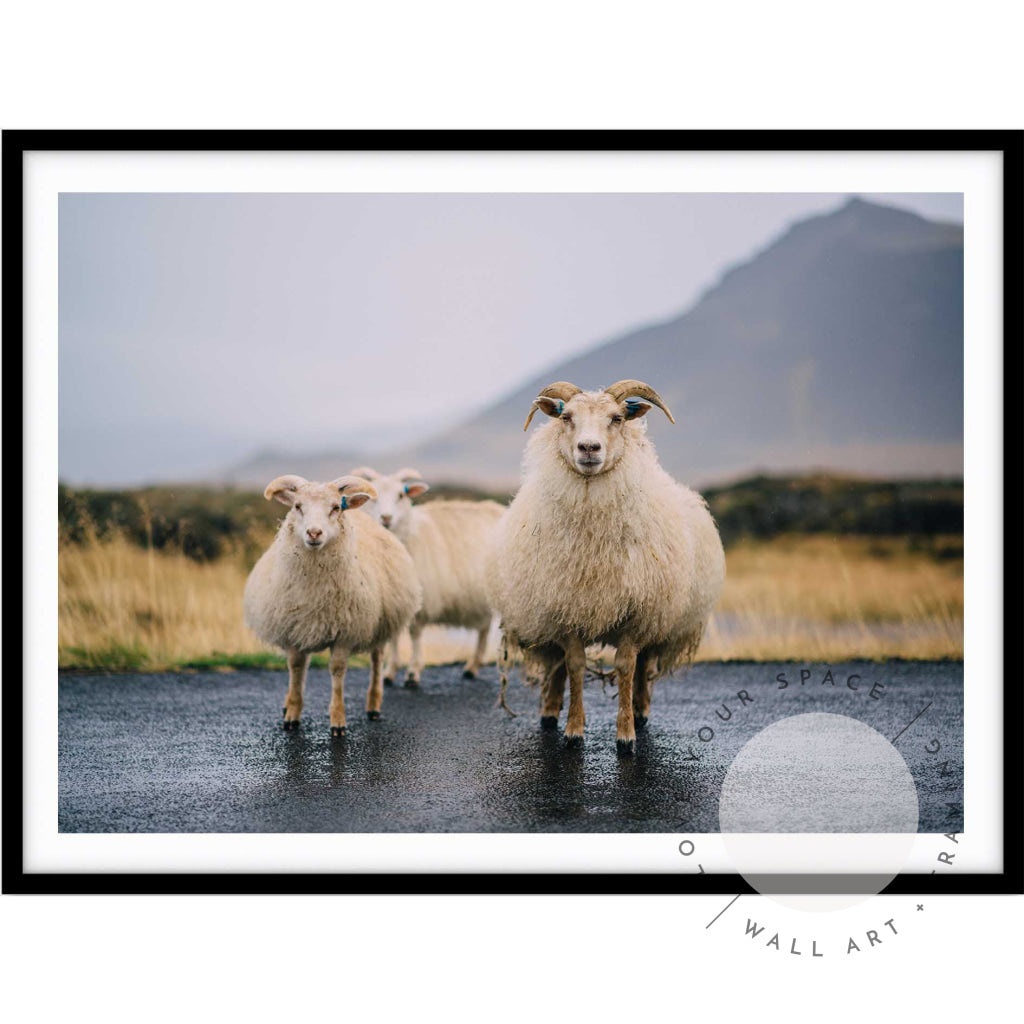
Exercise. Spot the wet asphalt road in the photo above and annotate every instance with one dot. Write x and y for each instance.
(205, 752)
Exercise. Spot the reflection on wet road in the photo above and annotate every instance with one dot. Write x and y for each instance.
(204, 752)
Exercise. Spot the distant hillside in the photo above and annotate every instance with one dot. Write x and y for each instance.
(767, 506)
(839, 347)
(264, 466)
(207, 522)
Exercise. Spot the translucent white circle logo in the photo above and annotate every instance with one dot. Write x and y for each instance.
(818, 811)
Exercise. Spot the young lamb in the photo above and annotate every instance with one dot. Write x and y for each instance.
(602, 546)
(332, 578)
(447, 541)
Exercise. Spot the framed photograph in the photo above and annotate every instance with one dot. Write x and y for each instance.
(313, 610)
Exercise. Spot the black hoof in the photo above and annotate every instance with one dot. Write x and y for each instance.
(412, 684)
(626, 747)
(469, 674)
(373, 716)
(573, 742)
(388, 681)
(640, 721)
(549, 722)
(337, 731)
(291, 726)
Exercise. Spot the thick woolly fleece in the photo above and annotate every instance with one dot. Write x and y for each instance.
(626, 554)
(448, 541)
(360, 590)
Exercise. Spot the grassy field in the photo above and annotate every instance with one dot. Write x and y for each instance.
(123, 606)
(831, 599)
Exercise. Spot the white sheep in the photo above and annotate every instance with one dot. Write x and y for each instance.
(448, 541)
(331, 578)
(602, 546)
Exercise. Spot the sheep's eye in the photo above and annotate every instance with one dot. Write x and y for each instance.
(335, 508)
(297, 507)
(566, 417)
(616, 418)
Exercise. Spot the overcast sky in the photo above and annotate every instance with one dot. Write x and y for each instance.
(196, 330)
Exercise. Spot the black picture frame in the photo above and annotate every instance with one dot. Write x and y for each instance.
(16, 144)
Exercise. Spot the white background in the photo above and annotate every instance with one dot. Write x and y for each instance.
(798, 65)
(975, 175)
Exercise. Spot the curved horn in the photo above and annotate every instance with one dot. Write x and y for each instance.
(561, 389)
(365, 472)
(349, 484)
(624, 388)
(408, 474)
(281, 484)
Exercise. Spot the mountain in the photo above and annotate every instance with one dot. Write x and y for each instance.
(839, 346)
(263, 467)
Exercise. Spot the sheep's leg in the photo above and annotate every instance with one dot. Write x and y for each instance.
(552, 695)
(642, 687)
(338, 665)
(392, 666)
(375, 691)
(474, 663)
(576, 666)
(297, 665)
(625, 669)
(412, 677)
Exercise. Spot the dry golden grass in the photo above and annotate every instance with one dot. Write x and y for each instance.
(124, 607)
(833, 598)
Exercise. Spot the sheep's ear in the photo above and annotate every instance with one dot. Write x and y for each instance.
(548, 406)
(349, 501)
(633, 408)
(350, 484)
(414, 488)
(282, 489)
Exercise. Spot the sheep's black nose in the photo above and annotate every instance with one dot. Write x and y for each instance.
(314, 533)
(589, 446)
(385, 520)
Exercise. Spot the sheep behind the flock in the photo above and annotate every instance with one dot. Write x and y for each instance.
(448, 541)
(602, 546)
(331, 578)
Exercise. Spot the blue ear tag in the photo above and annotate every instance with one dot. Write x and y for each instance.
(405, 489)
(344, 502)
(632, 407)
(561, 407)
